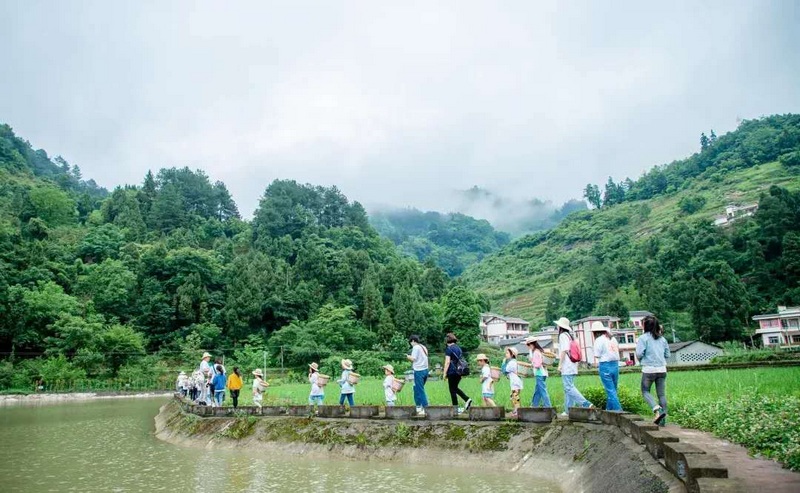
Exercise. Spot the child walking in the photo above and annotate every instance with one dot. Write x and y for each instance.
(388, 390)
(220, 384)
(259, 386)
(540, 395)
(317, 394)
(348, 389)
(487, 384)
(512, 371)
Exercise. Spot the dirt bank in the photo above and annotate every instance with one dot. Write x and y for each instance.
(9, 400)
(597, 458)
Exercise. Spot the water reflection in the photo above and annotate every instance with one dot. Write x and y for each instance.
(109, 446)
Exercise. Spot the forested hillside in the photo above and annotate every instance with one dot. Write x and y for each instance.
(451, 241)
(140, 282)
(651, 244)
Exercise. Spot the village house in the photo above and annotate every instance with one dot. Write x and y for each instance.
(734, 213)
(692, 353)
(779, 329)
(496, 328)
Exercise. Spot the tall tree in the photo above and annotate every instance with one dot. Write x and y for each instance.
(592, 195)
(461, 315)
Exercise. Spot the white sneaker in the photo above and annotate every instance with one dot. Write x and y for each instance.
(467, 404)
(421, 413)
(460, 410)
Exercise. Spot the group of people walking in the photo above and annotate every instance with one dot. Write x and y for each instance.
(210, 381)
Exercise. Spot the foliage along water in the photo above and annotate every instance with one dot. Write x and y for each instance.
(109, 445)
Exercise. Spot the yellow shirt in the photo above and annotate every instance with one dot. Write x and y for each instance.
(234, 382)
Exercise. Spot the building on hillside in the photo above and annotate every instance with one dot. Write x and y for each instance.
(734, 213)
(496, 328)
(636, 317)
(780, 329)
(692, 353)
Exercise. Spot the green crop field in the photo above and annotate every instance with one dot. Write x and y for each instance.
(756, 407)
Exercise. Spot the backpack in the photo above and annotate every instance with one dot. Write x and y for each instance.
(574, 350)
(460, 363)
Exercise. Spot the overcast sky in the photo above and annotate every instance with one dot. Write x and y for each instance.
(394, 102)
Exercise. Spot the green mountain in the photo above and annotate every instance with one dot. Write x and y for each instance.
(652, 245)
(451, 241)
(132, 284)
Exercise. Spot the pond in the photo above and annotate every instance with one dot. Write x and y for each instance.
(109, 445)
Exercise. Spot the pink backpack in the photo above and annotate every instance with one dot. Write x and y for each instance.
(575, 354)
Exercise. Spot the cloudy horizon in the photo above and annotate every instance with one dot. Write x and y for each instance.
(396, 105)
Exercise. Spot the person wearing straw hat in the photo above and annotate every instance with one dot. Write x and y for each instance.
(208, 373)
(487, 383)
(568, 368)
(259, 387)
(348, 389)
(317, 394)
(388, 391)
(536, 356)
(606, 355)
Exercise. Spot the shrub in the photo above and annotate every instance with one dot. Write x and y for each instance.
(629, 401)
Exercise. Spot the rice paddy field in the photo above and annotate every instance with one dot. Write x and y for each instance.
(756, 407)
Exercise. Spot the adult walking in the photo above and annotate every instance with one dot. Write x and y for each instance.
(653, 351)
(208, 373)
(419, 363)
(453, 355)
(606, 353)
(568, 368)
(536, 356)
(235, 385)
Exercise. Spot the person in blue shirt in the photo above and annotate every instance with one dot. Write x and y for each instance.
(652, 350)
(220, 383)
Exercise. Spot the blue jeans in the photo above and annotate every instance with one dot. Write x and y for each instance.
(349, 398)
(540, 395)
(312, 399)
(572, 397)
(609, 377)
(420, 397)
(219, 396)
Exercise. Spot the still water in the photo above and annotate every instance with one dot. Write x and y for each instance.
(109, 445)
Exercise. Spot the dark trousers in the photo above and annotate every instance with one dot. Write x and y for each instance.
(235, 397)
(455, 392)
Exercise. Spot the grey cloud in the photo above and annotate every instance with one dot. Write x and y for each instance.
(395, 104)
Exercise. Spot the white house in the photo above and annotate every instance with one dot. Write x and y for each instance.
(780, 329)
(495, 328)
(692, 353)
(734, 213)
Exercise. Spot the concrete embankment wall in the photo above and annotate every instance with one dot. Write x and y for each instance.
(576, 456)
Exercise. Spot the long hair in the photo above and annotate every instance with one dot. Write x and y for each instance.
(538, 346)
(236, 371)
(652, 326)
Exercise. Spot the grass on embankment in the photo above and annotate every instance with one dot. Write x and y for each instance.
(757, 407)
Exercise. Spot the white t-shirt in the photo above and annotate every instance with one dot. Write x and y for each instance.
(420, 355)
(315, 389)
(205, 369)
(388, 392)
(512, 369)
(258, 391)
(606, 349)
(567, 366)
(486, 380)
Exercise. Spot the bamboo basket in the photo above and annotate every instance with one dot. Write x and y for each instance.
(353, 378)
(322, 380)
(397, 385)
(496, 373)
(525, 369)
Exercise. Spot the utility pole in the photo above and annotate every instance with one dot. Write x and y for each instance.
(281, 360)
(672, 326)
(265, 360)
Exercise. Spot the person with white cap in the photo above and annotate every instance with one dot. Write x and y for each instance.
(259, 387)
(568, 368)
(606, 352)
(536, 356)
(512, 372)
(317, 394)
(348, 389)
(180, 384)
(388, 385)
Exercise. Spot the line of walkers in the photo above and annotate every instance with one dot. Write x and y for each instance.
(209, 382)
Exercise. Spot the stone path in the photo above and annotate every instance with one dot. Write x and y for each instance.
(759, 475)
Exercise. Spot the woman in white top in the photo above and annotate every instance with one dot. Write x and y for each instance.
(606, 353)
(419, 363)
(317, 394)
(512, 371)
